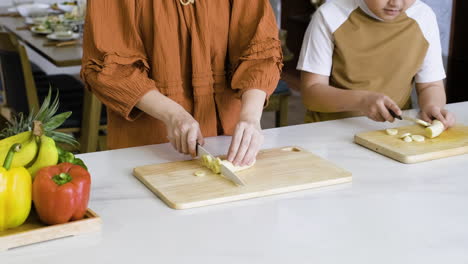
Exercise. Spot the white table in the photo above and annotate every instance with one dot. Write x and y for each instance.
(391, 213)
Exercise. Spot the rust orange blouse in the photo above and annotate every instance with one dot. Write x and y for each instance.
(202, 55)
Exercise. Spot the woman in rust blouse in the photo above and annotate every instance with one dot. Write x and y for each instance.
(179, 70)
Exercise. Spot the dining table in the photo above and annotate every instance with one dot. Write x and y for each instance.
(60, 56)
(390, 213)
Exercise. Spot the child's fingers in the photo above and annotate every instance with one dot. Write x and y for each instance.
(439, 116)
(449, 117)
(425, 117)
(392, 106)
(384, 113)
(377, 117)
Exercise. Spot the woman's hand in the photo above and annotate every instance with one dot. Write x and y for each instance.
(246, 142)
(183, 131)
(376, 105)
(430, 113)
(248, 137)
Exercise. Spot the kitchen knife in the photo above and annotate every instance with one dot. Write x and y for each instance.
(225, 171)
(408, 118)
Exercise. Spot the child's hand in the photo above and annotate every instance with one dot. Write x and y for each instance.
(375, 106)
(435, 112)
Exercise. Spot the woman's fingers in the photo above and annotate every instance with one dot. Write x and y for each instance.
(252, 152)
(192, 136)
(243, 147)
(235, 143)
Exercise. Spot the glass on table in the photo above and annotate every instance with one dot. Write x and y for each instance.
(62, 30)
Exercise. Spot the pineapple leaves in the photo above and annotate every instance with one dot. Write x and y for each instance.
(47, 116)
(56, 121)
(48, 110)
(63, 138)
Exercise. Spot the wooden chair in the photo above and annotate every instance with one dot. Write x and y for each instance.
(278, 103)
(23, 91)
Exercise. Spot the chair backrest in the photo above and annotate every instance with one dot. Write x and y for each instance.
(16, 75)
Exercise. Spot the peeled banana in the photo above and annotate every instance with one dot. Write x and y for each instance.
(48, 155)
(215, 164)
(435, 129)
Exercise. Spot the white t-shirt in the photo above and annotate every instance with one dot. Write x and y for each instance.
(318, 45)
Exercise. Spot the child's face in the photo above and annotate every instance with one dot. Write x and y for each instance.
(388, 10)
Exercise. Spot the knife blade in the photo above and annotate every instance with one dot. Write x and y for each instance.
(408, 118)
(225, 171)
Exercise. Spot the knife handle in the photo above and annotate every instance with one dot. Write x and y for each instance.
(394, 115)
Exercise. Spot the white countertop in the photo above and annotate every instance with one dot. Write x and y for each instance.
(390, 213)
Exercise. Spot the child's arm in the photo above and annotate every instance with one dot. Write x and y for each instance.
(432, 100)
(318, 95)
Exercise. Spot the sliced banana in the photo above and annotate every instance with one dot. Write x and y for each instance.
(423, 123)
(391, 131)
(199, 173)
(418, 138)
(408, 139)
(405, 135)
(215, 165)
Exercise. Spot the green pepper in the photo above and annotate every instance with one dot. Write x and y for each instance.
(80, 162)
(67, 156)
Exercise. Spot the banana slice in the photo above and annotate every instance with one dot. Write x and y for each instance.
(405, 135)
(418, 138)
(422, 123)
(199, 173)
(408, 139)
(391, 131)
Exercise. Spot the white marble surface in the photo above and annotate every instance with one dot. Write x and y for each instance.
(391, 213)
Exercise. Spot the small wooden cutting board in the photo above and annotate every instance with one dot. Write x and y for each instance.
(453, 141)
(276, 171)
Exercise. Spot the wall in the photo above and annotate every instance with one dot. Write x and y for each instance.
(443, 10)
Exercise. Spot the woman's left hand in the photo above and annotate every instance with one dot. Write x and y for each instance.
(246, 142)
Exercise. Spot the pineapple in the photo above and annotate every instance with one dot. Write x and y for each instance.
(45, 121)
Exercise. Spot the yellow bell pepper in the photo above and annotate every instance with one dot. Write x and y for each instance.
(15, 193)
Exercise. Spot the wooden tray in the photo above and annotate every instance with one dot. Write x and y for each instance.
(33, 231)
(276, 171)
(453, 141)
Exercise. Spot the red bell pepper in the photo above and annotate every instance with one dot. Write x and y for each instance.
(61, 193)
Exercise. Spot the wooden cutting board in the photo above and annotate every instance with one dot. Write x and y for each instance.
(276, 171)
(453, 141)
(33, 231)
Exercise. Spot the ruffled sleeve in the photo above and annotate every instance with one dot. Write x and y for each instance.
(114, 65)
(254, 48)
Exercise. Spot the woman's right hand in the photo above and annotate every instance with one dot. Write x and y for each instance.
(376, 105)
(183, 131)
